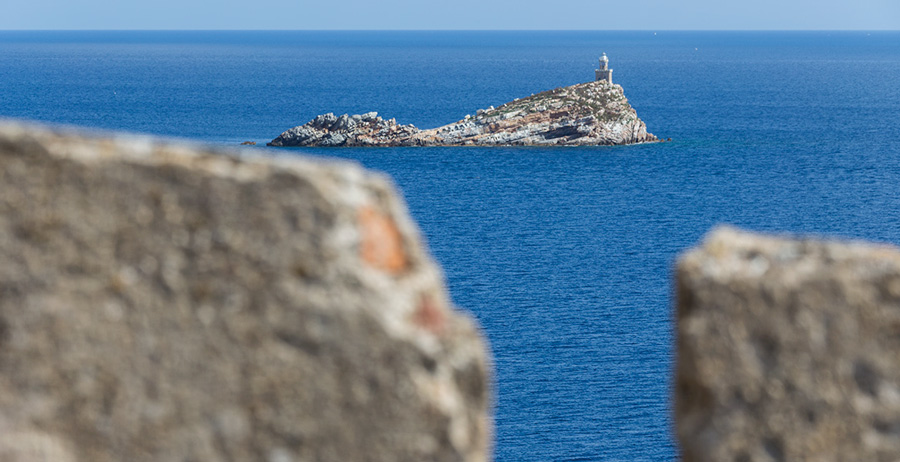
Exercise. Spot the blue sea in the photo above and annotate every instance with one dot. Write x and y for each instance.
(564, 255)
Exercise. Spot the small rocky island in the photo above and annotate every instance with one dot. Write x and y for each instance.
(586, 114)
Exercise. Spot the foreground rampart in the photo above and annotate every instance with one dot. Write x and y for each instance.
(788, 349)
(163, 302)
(160, 302)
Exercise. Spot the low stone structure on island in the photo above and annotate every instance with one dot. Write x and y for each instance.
(788, 350)
(163, 302)
(587, 114)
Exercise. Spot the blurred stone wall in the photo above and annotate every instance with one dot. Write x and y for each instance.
(162, 302)
(788, 350)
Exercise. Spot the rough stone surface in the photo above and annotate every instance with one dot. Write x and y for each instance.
(788, 350)
(594, 113)
(167, 303)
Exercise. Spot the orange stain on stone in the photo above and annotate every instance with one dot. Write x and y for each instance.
(430, 316)
(382, 243)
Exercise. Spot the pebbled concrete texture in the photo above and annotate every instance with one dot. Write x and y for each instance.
(788, 349)
(161, 301)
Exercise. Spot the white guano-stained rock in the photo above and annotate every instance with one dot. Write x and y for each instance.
(587, 114)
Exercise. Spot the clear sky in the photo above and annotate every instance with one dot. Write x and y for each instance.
(456, 14)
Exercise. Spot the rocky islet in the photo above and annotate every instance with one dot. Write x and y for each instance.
(586, 114)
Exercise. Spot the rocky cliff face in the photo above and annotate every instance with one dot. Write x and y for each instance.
(587, 114)
(167, 303)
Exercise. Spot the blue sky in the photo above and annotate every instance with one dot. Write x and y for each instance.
(456, 14)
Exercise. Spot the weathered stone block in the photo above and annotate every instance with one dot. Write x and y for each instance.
(160, 302)
(788, 350)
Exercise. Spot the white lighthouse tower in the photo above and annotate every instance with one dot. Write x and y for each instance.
(604, 73)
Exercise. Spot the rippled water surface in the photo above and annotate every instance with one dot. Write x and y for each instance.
(564, 255)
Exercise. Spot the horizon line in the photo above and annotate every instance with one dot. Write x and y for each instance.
(449, 30)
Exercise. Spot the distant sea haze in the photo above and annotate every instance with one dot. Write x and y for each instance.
(564, 255)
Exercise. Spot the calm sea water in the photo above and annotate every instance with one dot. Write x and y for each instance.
(564, 255)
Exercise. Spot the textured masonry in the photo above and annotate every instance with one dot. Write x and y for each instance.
(788, 350)
(161, 302)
